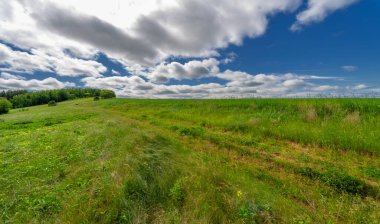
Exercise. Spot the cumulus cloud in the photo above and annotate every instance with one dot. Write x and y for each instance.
(6, 75)
(6, 11)
(8, 83)
(22, 61)
(196, 28)
(91, 30)
(318, 10)
(30, 62)
(147, 37)
(232, 84)
(184, 28)
(146, 31)
(191, 70)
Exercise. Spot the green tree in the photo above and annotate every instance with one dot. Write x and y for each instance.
(25, 99)
(107, 94)
(9, 94)
(5, 106)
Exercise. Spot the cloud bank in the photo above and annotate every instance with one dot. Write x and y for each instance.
(232, 84)
(12, 82)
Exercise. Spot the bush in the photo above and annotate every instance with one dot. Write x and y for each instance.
(5, 106)
(339, 181)
(96, 98)
(192, 132)
(177, 192)
(52, 103)
(349, 184)
(107, 94)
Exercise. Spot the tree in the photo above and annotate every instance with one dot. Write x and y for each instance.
(9, 94)
(107, 94)
(27, 99)
(63, 95)
(5, 106)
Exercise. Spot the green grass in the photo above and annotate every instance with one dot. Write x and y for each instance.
(192, 161)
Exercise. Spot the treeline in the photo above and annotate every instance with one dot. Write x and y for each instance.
(9, 94)
(43, 97)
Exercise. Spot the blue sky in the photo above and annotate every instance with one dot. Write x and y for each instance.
(347, 37)
(192, 49)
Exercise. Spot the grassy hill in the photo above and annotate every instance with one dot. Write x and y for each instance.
(192, 161)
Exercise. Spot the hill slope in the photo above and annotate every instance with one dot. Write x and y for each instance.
(185, 161)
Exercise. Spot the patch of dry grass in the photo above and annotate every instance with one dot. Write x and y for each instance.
(352, 118)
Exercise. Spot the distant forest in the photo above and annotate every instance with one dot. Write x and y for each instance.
(23, 98)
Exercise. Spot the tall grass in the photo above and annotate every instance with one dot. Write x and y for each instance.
(343, 124)
(192, 161)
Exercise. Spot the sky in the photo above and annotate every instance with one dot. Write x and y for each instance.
(193, 48)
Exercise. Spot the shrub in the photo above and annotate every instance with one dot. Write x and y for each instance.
(5, 106)
(52, 103)
(253, 212)
(47, 205)
(339, 181)
(193, 131)
(177, 192)
(344, 182)
(107, 94)
(96, 98)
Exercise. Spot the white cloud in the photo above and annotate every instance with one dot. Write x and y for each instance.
(292, 83)
(324, 88)
(65, 37)
(349, 68)
(359, 87)
(237, 84)
(196, 28)
(6, 75)
(35, 60)
(113, 82)
(231, 57)
(32, 84)
(144, 32)
(190, 70)
(318, 10)
(22, 61)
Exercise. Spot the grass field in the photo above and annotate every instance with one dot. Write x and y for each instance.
(192, 161)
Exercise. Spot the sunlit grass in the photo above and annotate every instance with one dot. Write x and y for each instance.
(192, 161)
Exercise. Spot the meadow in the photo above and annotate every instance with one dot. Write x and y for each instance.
(192, 161)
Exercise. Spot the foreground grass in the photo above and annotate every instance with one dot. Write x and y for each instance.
(214, 161)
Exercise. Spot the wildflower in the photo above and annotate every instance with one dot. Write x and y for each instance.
(239, 194)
